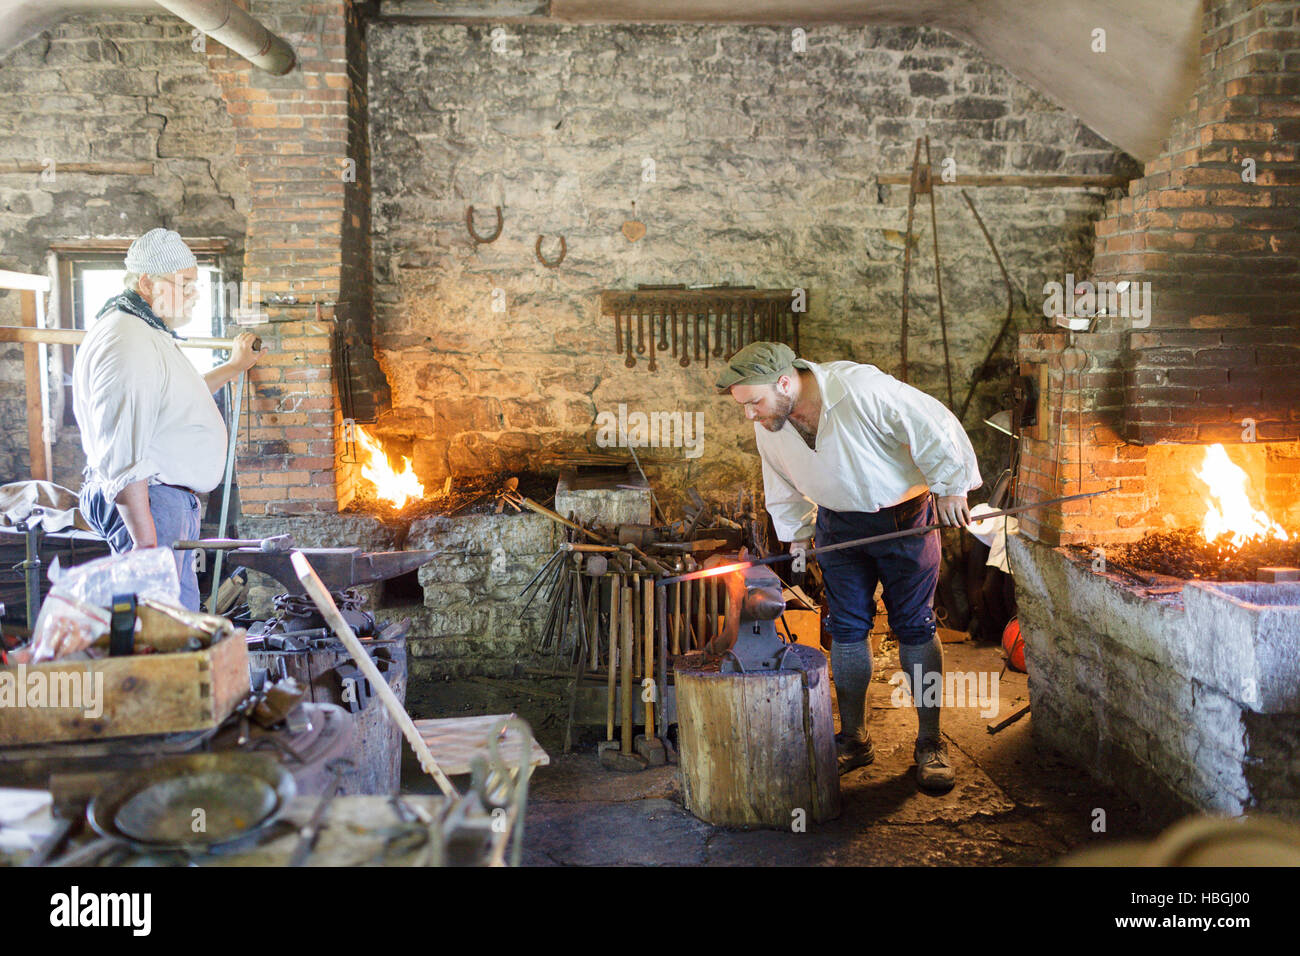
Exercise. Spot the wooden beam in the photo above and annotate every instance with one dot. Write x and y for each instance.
(1032, 182)
(91, 169)
(29, 336)
(24, 280)
(38, 444)
(212, 245)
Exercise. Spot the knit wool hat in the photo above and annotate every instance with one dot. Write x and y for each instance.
(159, 252)
(758, 363)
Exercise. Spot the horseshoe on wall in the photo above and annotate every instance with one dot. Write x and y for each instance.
(551, 264)
(469, 224)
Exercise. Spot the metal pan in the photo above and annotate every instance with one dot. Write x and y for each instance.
(194, 804)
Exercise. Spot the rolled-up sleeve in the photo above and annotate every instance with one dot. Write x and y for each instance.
(793, 515)
(123, 405)
(939, 445)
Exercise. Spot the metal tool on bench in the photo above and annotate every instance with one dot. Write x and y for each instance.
(310, 832)
(749, 641)
(31, 528)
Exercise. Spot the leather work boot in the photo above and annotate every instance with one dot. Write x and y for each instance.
(852, 751)
(934, 773)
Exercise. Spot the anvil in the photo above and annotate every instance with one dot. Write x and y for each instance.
(749, 640)
(339, 568)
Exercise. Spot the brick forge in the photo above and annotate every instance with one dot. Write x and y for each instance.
(1158, 690)
(1212, 227)
(303, 142)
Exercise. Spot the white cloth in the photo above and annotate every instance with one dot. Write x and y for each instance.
(144, 411)
(879, 443)
(159, 252)
(993, 532)
(58, 505)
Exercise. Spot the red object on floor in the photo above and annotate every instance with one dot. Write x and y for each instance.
(1013, 645)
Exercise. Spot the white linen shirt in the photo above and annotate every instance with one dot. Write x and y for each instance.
(144, 411)
(879, 443)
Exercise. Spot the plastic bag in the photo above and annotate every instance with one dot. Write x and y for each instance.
(74, 615)
(146, 573)
(66, 626)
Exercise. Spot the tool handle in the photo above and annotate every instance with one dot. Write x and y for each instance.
(216, 544)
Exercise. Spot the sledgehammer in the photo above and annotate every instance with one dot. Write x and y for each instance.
(279, 542)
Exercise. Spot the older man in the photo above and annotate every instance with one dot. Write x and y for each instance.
(153, 436)
(851, 452)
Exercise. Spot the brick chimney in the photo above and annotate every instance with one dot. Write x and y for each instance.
(1212, 355)
(303, 141)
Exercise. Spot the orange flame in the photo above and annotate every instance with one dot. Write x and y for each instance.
(395, 487)
(1233, 514)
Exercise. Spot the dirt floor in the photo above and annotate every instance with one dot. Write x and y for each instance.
(1012, 805)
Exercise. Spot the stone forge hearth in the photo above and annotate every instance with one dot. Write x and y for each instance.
(464, 607)
(1187, 700)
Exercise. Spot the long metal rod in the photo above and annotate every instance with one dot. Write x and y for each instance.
(907, 259)
(225, 491)
(1006, 323)
(938, 277)
(858, 542)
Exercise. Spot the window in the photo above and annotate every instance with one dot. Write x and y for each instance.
(95, 282)
(91, 272)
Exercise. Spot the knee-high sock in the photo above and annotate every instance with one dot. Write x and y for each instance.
(851, 669)
(928, 658)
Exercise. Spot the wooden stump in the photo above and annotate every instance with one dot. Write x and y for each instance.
(756, 748)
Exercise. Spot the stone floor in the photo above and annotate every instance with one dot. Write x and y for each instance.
(1012, 804)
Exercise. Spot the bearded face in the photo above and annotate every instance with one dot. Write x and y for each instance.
(781, 406)
(766, 404)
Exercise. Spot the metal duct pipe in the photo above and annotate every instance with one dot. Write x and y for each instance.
(236, 30)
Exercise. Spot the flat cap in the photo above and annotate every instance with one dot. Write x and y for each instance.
(159, 252)
(758, 363)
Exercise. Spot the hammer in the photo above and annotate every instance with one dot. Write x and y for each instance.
(279, 542)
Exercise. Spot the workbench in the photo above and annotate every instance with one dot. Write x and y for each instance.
(353, 834)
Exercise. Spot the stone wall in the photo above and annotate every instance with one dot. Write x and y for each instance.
(471, 621)
(765, 167)
(112, 88)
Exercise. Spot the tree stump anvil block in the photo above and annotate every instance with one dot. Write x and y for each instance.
(757, 749)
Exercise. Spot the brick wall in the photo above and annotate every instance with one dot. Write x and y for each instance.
(301, 139)
(1220, 253)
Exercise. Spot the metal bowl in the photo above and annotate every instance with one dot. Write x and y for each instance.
(194, 803)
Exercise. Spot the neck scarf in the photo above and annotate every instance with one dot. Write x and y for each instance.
(132, 302)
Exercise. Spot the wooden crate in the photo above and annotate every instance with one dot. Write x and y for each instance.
(162, 693)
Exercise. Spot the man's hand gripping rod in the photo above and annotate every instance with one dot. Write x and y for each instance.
(858, 542)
